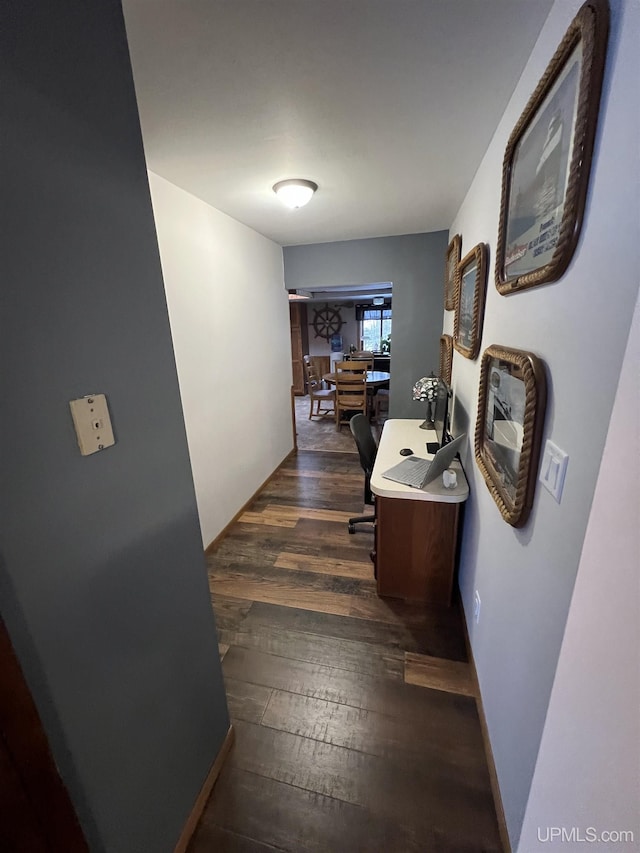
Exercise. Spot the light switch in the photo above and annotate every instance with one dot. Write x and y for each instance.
(553, 469)
(92, 422)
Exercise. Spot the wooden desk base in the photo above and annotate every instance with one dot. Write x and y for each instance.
(416, 549)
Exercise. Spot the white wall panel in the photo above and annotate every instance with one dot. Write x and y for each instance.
(229, 318)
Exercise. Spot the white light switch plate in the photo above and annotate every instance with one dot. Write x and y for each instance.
(92, 422)
(553, 469)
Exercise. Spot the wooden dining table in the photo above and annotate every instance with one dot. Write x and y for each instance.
(375, 378)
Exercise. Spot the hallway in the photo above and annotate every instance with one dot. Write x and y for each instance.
(355, 718)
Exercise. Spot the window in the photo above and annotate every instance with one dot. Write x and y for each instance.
(374, 325)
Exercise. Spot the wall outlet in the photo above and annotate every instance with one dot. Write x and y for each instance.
(476, 606)
(92, 422)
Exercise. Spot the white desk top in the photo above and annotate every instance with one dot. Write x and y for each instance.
(396, 434)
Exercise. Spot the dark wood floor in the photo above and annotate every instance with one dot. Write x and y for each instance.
(355, 718)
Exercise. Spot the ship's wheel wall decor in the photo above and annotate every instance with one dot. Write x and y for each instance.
(327, 321)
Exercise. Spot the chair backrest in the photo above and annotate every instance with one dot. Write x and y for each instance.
(365, 442)
(351, 385)
(313, 380)
(352, 366)
(363, 355)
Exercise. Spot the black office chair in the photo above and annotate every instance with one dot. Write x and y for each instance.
(367, 449)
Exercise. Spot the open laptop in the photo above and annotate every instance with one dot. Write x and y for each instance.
(418, 473)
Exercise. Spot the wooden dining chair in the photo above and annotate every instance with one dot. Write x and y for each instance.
(364, 355)
(380, 404)
(360, 367)
(351, 396)
(322, 398)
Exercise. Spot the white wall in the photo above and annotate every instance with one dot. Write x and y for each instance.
(349, 330)
(592, 731)
(230, 325)
(579, 327)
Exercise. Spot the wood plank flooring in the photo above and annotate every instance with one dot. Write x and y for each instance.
(355, 717)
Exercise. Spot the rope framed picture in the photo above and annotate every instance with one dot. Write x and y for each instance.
(547, 161)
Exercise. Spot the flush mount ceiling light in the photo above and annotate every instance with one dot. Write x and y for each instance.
(295, 192)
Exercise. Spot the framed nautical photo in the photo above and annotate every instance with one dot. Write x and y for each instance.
(470, 292)
(511, 410)
(452, 260)
(548, 158)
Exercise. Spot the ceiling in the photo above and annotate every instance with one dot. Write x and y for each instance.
(388, 105)
(346, 293)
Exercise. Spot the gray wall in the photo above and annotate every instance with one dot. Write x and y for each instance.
(102, 577)
(414, 263)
